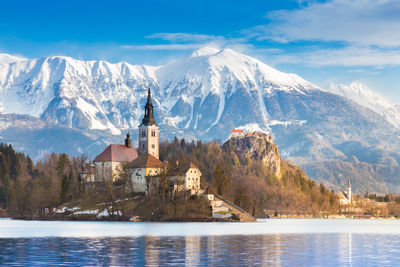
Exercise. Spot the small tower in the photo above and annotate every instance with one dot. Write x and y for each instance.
(128, 140)
(348, 192)
(148, 130)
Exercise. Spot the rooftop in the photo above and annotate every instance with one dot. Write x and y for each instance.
(146, 161)
(117, 152)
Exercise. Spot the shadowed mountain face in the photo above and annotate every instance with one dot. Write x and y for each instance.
(204, 96)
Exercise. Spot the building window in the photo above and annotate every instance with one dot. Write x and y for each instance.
(153, 146)
(143, 133)
(153, 133)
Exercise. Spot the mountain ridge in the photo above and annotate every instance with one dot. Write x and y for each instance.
(203, 96)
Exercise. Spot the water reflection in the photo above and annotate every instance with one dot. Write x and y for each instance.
(281, 249)
(345, 249)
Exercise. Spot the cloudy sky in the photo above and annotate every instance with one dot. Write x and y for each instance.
(337, 41)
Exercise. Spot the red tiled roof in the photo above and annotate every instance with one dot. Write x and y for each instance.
(237, 131)
(193, 166)
(146, 161)
(116, 152)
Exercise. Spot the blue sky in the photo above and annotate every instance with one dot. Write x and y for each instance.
(337, 41)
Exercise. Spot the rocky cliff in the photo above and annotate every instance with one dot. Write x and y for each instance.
(256, 148)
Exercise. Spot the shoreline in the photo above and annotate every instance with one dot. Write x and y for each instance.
(183, 220)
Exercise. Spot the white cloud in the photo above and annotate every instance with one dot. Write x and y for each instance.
(163, 47)
(348, 56)
(185, 37)
(191, 41)
(362, 22)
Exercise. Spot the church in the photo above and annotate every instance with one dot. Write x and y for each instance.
(143, 166)
(345, 198)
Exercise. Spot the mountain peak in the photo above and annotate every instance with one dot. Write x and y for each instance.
(8, 59)
(205, 51)
(362, 95)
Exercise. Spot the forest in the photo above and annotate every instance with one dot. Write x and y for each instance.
(27, 188)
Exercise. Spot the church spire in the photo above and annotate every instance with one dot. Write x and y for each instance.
(148, 118)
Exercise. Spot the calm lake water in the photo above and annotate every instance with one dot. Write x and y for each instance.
(278, 242)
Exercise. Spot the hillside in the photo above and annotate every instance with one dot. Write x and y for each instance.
(249, 172)
(253, 177)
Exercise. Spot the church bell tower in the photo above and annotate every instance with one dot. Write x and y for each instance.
(148, 130)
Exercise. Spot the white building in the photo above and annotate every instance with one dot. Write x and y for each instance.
(188, 178)
(109, 164)
(345, 198)
(143, 172)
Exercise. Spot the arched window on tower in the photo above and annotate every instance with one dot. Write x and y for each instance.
(153, 133)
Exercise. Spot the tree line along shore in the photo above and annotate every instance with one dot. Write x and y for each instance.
(52, 188)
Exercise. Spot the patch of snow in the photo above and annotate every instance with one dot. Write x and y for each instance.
(105, 213)
(254, 127)
(286, 123)
(173, 121)
(86, 212)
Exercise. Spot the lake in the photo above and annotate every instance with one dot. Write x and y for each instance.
(279, 242)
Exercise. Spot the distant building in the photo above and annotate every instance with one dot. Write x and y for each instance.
(108, 165)
(237, 133)
(188, 178)
(345, 198)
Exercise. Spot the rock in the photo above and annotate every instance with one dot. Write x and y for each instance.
(256, 147)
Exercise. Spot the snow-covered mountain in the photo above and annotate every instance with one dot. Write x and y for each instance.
(366, 97)
(213, 87)
(88, 95)
(203, 96)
